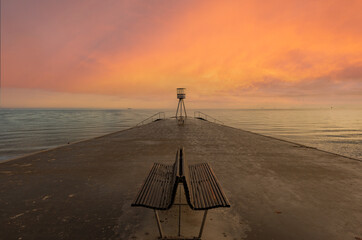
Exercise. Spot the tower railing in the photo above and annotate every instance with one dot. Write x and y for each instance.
(153, 118)
(204, 116)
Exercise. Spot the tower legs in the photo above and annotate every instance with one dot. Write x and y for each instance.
(181, 110)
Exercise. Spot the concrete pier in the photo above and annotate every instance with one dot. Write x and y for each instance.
(277, 190)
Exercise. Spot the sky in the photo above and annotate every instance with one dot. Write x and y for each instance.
(227, 54)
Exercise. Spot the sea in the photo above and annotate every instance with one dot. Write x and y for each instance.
(24, 131)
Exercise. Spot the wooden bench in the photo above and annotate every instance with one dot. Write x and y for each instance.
(201, 187)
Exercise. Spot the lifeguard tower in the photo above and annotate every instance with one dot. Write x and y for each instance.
(181, 114)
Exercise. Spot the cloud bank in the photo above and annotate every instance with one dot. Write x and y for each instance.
(227, 53)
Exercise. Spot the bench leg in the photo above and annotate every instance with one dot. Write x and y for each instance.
(179, 213)
(159, 224)
(203, 224)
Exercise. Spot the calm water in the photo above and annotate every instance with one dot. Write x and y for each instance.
(26, 131)
(333, 130)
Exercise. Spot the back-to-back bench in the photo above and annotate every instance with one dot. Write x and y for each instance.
(202, 189)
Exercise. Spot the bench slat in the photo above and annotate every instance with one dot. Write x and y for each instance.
(146, 186)
(155, 190)
(200, 184)
(150, 190)
(159, 184)
(193, 186)
(211, 189)
(221, 194)
(207, 189)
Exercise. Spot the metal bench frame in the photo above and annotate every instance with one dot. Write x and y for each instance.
(201, 187)
(179, 204)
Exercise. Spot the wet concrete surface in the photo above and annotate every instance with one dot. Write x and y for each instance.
(277, 189)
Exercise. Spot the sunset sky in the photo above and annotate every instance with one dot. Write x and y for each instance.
(228, 54)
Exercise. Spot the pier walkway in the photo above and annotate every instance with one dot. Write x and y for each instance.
(277, 189)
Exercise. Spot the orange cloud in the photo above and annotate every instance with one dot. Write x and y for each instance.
(144, 49)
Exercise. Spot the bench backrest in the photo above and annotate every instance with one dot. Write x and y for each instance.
(180, 174)
(183, 168)
(185, 176)
(175, 179)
